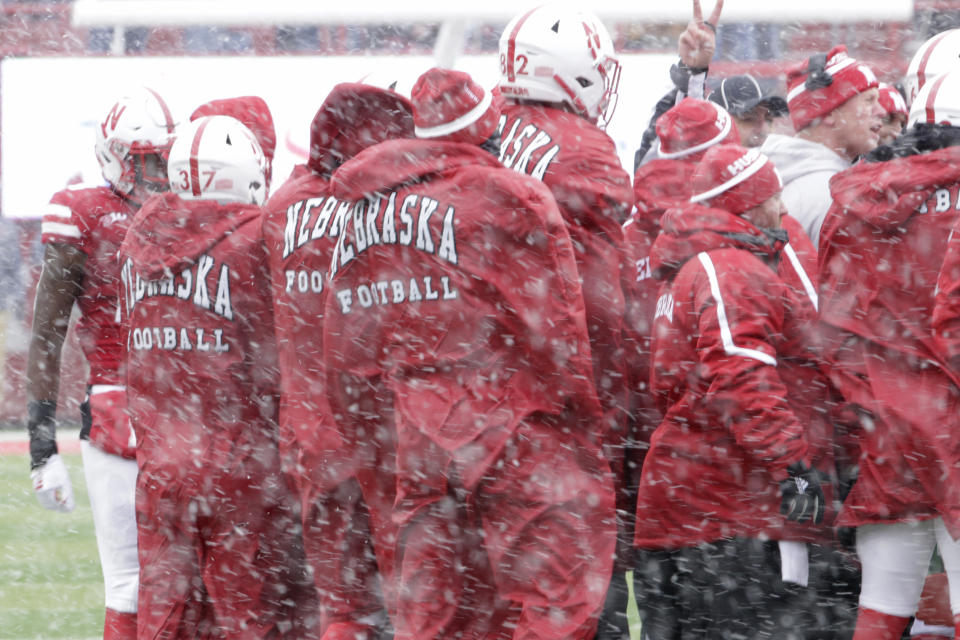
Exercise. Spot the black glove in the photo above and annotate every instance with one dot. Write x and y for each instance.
(801, 494)
(42, 427)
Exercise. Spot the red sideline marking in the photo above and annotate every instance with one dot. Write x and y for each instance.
(22, 447)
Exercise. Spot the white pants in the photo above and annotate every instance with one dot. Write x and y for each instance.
(111, 484)
(895, 559)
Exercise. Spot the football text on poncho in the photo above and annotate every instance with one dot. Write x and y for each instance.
(193, 283)
(395, 291)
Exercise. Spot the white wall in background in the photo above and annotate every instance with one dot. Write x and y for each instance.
(49, 106)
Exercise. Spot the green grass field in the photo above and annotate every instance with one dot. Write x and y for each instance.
(50, 582)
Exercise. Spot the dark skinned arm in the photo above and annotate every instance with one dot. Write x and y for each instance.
(59, 286)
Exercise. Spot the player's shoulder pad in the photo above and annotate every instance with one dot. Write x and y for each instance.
(81, 198)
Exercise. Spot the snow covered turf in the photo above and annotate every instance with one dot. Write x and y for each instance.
(50, 582)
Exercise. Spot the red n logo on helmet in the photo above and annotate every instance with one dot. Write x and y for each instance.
(112, 118)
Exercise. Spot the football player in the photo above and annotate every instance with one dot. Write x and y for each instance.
(894, 211)
(219, 533)
(82, 229)
(302, 222)
(559, 75)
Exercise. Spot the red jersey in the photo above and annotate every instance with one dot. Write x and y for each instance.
(202, 372)
(94, 220)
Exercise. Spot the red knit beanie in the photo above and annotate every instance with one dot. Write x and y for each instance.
(824, 82)
(735, 179)
(449, 105)
(693, 126)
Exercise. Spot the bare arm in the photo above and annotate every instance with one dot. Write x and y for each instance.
(58, 288)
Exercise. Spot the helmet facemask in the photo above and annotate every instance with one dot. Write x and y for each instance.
(132, 143)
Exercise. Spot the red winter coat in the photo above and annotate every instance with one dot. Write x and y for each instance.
(202, 368)
(882, 247)
(469, 308)
(579, 163)
(730, 349)
(302, 222)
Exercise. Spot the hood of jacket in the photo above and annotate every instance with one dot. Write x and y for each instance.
(169, 234)
(795, 157)
(397, 162)
(352, 118)
(885, 194)
(688, 230)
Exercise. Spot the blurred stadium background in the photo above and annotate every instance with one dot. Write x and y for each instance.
(754, 36)
(49, 576)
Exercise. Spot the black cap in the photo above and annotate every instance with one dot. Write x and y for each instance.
(739, 94)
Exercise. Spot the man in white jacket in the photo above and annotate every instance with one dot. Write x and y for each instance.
(836, 114)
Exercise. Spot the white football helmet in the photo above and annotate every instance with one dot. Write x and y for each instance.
(938, 101)
(138, 126)
(217, 158)
(558, 53)
(936, 56)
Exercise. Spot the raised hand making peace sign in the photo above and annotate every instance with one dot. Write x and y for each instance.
(699, 41)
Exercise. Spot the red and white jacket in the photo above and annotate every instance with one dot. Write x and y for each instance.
(732, 360)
